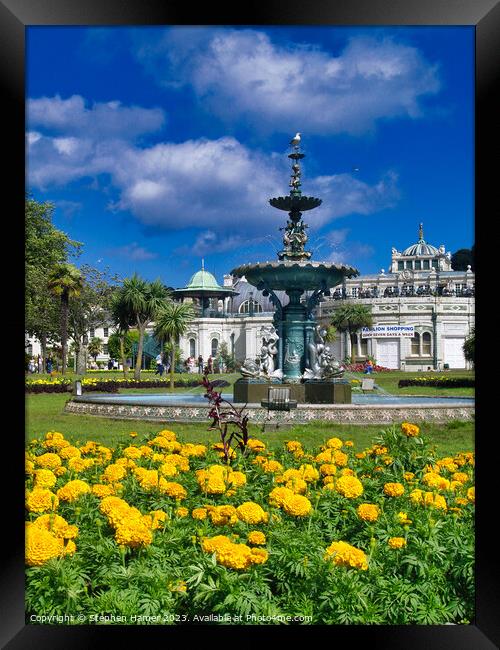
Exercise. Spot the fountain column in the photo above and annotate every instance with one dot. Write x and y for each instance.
(294, 348)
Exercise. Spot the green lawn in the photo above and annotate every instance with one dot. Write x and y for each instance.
(44, 412)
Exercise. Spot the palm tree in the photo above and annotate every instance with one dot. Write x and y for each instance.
(95, 347)
(65, 281)
(173, 321)
(123, 320)
(141, 302)
(350, 317)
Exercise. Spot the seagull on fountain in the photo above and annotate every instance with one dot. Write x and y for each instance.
(295, 140)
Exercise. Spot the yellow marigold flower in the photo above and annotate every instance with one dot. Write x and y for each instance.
(133, 434)
(461, 502)
(182, 512)
(408, 476)
(146, 451)
(48, 461)
(435, 481)
(348, 443)
(293, 446)
(279, 495)
(41, 500)
(339, 458)
(55, 440)
(199, 513)
(309, 473)
(461, 477)
(439, 502)
(349, 487)
(328, 469)
(165, 443)
(379, 450)
(257, 538)
(397, 542)
(57, 525)
(70, 452)
(347, 472)
(168, 469)
(148, 478)
(236, 479)
(368, 512)
(105, 453)
(133, 532)
(271, 466)
(251, 513)
(223, 515)
(328, 480)
(78, 465)
(471, 494)
(132, 452)
(171, 489)
(403, 518)
(324, 456)
(30, 467)
(410, 430)
(394, 489)
(73, 490)
(197, 451)
(41, 545)
(60, 471)
(114, 473)
(100, 490)
(360, 455)
(89, 447)
(447, 464)
(343, 554)
(231, 555)
(334, 443)
(169, 435)
(45, 478)
(180, 587)
(181, 462)
(255, 445)
(110, 503)
(158, 517)
(297, 485)
(258, 555)
(297, 505)
(259, 460)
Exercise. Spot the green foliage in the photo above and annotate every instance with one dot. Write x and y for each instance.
(469, 346)
(350, 317)
(463, 258)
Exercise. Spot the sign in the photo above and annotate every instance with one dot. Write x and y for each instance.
(388, 331)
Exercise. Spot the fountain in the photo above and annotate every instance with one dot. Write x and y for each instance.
(304, 362)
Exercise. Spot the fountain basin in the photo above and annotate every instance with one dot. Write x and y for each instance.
(365, 409)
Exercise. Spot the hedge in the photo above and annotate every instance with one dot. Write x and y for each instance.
(444, 382)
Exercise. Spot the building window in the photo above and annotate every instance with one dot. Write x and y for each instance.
(245, 307)
(426, 344)
(354, 292)
(421, 345)
(364, 347)
(415, 344)
(418, 265)
(435, 264)
(215, 347)
(427, 265)
(105, 348)
(409, 265)
(192, 347)
(401, 266)
(92, 333)
(106, 332)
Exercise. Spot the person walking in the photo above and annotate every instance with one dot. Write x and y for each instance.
(210, 364)
(200, 364)
(40, 364)
(48, 365)
(159, 365)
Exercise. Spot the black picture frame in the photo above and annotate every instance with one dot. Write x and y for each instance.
(15, 16)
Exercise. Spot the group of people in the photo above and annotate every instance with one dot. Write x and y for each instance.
(36, 364)
(192, 364)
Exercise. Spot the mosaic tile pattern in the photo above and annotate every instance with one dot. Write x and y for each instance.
(342, 413)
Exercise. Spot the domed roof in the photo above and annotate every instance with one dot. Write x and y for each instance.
(202, 280)
(421, 247)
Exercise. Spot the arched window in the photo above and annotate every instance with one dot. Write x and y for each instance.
(415, 344)
(215, 346)
(192, 347)
(245, 307)
(426, 344)
(364, 347)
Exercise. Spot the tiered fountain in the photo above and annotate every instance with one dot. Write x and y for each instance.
(294, 352)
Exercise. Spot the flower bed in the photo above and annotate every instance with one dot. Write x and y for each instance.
(157, 527)
(438, 382)
(360, 367)
(63, 385)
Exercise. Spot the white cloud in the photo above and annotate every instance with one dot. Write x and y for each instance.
(133, 252)
(109, 119)
(285, 88)
(218, 186)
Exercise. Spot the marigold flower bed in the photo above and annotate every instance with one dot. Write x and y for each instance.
(160, 528)
(63, 384)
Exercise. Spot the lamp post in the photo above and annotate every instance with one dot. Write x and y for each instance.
(250, 307)
(434, 336)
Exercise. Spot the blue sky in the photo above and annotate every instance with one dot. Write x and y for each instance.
(160, 146)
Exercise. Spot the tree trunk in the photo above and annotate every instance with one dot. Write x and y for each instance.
(172, 363)
(138, 361)
(64, 330)
(43, 349)
(353, 352)
(122, 354)
(80, 353)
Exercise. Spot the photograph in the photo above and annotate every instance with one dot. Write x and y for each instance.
(249, 324)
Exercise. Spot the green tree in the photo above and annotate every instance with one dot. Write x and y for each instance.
(95, 347)
(462, 258)
(123, 320)
(141, 302)
(469, 346)
(65, 281)
(45, 248)
(351, 317)
(173, 321)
